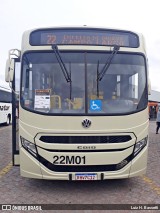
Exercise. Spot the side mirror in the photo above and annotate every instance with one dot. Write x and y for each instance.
(149, 87)
(9, 72)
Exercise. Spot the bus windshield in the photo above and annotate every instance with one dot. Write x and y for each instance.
(122, 90)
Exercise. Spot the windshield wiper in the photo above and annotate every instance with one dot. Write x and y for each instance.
(97, 79)
(70, 85)
(61, 63)
(108, 63)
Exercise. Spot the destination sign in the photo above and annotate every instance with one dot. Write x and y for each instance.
(84, 37)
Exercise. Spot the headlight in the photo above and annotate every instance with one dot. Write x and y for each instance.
(30, 147)
(140, 145)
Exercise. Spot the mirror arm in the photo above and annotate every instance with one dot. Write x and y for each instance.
(14, 52)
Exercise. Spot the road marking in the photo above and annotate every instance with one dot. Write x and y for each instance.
(151, 184)
(6, 169)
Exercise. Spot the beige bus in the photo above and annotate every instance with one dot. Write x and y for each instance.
(83, 103)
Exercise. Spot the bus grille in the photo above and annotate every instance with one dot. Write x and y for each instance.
(85, 139)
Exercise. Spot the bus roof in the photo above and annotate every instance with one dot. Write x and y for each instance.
(80, 27)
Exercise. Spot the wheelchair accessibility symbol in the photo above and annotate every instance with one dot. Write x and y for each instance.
(95, 105)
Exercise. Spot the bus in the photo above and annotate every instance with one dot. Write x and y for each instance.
(83, 103)
(5, 106)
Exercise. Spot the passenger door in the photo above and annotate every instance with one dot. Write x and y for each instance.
(15, 113)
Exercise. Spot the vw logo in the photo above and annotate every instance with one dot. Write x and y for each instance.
(86, 123)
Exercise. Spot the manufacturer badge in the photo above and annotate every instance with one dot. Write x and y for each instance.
(86, 123)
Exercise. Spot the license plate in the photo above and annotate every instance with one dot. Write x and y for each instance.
(91, 176)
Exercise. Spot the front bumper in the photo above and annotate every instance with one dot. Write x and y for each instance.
(32, 168)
